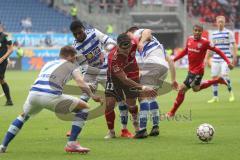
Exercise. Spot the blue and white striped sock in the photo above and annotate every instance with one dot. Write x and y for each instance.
(229, 84)
(154, 110)
(78, 123)
(13, 129)
(123, 108)
(215, 90)
(143, 114)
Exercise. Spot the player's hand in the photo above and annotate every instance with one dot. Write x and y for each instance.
(149, 92)
(230, 66)
(175, 85)
(234, 60)
(97, 99)
(1, 60)
(140, 46)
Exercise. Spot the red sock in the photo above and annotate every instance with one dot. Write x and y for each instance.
(110, 117)
(178, 101)
(208, 83)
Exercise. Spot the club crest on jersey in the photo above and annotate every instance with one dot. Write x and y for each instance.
(199, 45)
(89, 56)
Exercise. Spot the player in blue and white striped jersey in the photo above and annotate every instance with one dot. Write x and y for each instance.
(223, 39)
(46, 93)
(89, 43)
(154, 66)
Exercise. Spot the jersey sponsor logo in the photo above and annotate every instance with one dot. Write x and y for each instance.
(89, 56)
(199, 45)
(194, 50)
(93, 53)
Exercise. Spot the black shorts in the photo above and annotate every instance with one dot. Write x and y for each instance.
(119, 91)
(193, 80)
(3, 67)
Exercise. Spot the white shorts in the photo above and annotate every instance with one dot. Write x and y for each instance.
(154, 69)
(219, 69)
(94, 76)
(57, 103)
(93, 80)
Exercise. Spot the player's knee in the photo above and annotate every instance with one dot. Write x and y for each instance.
(183, 89)
(131, 102)
(196, 89)
(25, 116)
(131, 108)
(82, 114)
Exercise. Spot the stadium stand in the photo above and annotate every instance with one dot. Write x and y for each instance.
(43, 17)
(206, 10)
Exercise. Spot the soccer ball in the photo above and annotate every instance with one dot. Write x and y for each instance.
(205, 132)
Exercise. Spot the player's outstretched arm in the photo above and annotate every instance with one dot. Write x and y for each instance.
(207, 58)
(82, 84)
(107, 42)
(128, 82)
(234, 53)
(145, 36)
(172, 72)
(180, 55)
(220, 53)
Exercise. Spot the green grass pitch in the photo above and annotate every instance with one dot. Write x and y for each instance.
(43, 136)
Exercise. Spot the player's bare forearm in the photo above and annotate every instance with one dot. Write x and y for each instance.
(171, 68)
(180, 55)
(235, 49)
(81, 83)
(126, 81)
(146, 35)
(234, 53)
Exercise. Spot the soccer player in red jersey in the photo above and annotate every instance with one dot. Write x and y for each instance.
(123, 80)
(196, 48)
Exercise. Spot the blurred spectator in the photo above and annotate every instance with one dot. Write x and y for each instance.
(102, 5)
(169, 51)
(48, 41)
(90, 6)
(74, 12)
(131, 3)
(207, 10)
(109, 5)
(118, 6)
(109, 29)
(26, 24)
